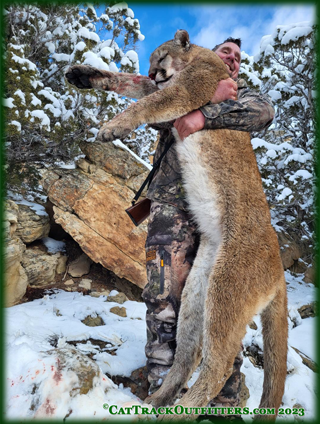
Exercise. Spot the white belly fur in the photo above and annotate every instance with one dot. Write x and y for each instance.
(201, 196)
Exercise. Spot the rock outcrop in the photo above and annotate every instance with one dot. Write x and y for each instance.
(295, 254)
(41, 268)
(16, 279)
(90, 202)
(31, 226)
(26, 264)
(290, 250)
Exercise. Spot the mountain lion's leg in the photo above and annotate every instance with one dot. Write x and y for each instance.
(129, 85)
(228, 310)
(190, 326)
(275, 332)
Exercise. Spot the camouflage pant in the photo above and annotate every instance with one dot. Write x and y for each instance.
(171, 247)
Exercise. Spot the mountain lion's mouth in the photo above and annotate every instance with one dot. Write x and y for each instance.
(165, 80)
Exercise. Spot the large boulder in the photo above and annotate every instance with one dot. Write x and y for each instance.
(296, 255)
(15, 277)
(27, 263)
(290, 250)
(42, 267)
(90, 202)
(32, 226)
(310, 274)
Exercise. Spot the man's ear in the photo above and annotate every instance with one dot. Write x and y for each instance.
(181, 38)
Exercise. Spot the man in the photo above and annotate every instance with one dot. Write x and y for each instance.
(172, 239)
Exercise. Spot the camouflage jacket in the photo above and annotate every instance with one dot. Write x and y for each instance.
(251, 112)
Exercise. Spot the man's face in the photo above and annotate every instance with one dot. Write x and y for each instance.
(231, 55)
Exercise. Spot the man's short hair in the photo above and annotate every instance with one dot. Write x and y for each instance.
(236, 41)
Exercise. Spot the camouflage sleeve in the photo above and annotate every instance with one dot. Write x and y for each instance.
(251, 112)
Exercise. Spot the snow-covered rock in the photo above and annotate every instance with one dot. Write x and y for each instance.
(90, 202)
(32, 226)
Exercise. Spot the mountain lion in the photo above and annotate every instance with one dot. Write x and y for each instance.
(237, 272)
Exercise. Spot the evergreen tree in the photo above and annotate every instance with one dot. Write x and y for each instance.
(286, 68)
(285, 152)
(248, 73)
(46, 117)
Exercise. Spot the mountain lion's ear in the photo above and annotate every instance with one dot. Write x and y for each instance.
(181, 38)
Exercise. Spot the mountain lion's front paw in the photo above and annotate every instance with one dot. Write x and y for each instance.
(79, 75)
(111, 131)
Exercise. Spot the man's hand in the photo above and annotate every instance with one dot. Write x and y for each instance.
(189, 124)
(194, 121)
(226, 90)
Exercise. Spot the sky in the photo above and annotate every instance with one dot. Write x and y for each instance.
(208, 24)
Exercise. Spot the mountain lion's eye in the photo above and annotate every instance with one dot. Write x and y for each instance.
(163, 57)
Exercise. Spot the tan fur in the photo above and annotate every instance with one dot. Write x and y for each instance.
(190, 87)
(245, 276)
(238, 271)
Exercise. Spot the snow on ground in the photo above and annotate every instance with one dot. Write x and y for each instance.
(53, 246)
(31, 327)
(300, 382)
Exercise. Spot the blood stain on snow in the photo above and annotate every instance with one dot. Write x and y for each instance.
(49, 409)
(58, 374)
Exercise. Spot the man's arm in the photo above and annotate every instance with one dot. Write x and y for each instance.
(251, 112)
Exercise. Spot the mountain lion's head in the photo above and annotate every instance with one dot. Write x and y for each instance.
(170, 58)
(173, 56)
